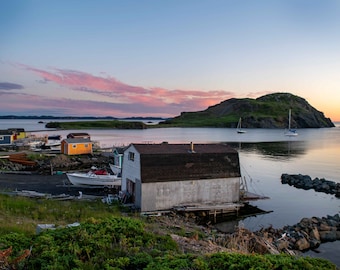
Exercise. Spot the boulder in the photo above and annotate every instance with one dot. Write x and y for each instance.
(328, 236)
(314, 243)
(314, 234)
(302, 244)
(324, 227)
(337, 235)
(282, 244)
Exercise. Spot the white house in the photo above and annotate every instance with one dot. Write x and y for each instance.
(162, 176)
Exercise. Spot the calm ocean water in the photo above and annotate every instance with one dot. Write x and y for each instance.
(265, 154)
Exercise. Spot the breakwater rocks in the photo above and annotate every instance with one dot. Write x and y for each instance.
(306, 182)
(308, 234)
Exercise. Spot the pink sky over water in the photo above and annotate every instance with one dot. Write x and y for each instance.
(161, 58)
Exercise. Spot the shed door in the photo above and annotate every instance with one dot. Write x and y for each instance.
(131, 186)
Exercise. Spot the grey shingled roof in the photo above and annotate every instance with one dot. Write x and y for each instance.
(78, 140)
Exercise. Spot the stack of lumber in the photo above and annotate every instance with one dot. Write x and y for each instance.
(21, 158)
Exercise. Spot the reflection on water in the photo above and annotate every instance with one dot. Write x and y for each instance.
(275, 150)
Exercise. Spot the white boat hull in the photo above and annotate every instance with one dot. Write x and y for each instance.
(291, 133)
(93, 180)
(115, 169)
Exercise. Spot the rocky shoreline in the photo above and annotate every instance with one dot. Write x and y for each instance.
(309, 233)
(306, 235)
(306, 182)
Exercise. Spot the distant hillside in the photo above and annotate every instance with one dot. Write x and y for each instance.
(48, 117)
(269, 111)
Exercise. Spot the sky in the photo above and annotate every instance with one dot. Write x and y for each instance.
(158, 58)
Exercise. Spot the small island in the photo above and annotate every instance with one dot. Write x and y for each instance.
(269, 111)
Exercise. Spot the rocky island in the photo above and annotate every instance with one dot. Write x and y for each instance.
(269, 111)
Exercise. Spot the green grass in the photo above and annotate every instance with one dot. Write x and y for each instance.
(106, 240)
(20, 214)
(200, 119)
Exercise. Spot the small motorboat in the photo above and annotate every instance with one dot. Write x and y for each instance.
(94, 179)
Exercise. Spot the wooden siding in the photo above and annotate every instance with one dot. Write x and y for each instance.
(189, 166)
(76, 146)
(18, 133)
(166, 195)
(6, 137)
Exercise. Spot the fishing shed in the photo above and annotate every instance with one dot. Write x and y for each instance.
(6, 137)
(18, 133)
(118, 154)
(76, 146)
(163, 176)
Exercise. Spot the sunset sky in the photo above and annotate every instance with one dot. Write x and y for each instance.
(162, 57)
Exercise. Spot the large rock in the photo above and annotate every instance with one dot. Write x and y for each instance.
(324, 227)
(282, 244)
(314, 234)
(328, 236)
(302, 244)
(314, 243)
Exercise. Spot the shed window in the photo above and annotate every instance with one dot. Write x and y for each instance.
(86, 145)
(74, 146)
(1, 138)
(131, 156)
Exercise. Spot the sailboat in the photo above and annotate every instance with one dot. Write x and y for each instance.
(239, 126)
(290, 132)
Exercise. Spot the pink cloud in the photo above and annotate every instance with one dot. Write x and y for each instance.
(122, 97)
(26, 104)
(80, 80)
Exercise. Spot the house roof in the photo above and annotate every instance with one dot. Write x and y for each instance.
(5, 132)
(183, 148)
(16, 130)
(77, 140)
(78, 135)
(176, 162)
(119, 150)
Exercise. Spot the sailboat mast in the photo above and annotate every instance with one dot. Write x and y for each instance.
(289, 117)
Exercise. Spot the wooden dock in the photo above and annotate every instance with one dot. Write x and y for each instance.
(211, 211)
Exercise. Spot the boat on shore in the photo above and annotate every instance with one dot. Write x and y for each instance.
(115, 169)
(94, 179)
